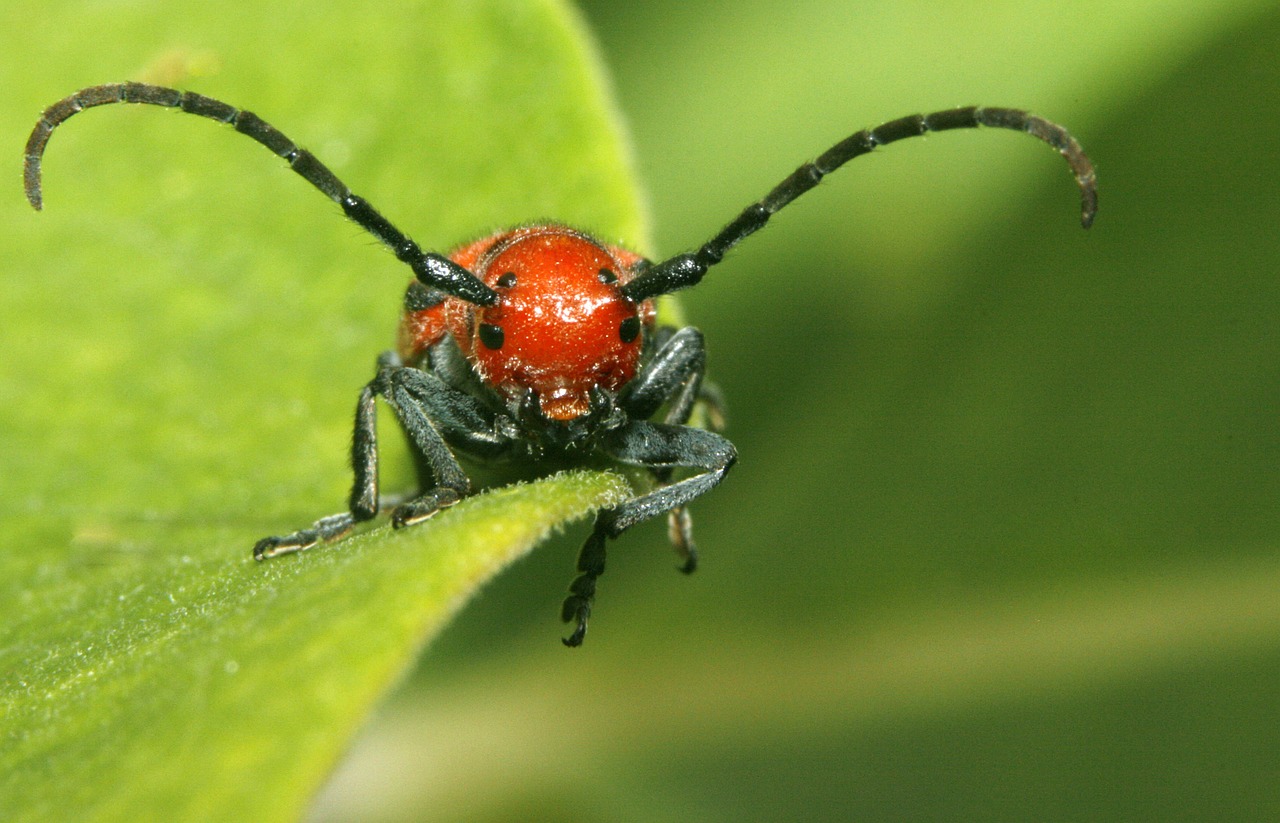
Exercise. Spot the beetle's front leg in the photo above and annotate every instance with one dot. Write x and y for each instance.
(430, 412)
(674, 375)
(363, 504)
(421, 403)
(656, 446)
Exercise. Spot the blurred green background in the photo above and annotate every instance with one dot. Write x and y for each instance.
(1002, 541)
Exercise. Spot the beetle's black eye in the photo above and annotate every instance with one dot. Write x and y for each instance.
(507, 280)
(629, 329)
(608, 277)
(491, 336)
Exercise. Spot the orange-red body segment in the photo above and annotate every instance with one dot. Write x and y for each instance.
(561, 326)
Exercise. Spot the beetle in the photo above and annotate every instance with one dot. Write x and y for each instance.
(541, 342)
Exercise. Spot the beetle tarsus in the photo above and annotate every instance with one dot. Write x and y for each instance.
(582, 592)
(324, 530)
(419, 509)
(680, 532)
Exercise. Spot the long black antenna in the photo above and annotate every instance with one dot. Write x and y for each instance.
(685, 270)
(432, 269)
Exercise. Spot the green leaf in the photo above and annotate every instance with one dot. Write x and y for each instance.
(185, 329)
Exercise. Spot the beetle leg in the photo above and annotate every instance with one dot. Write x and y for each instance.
(447, 483)
(680, 533)
(435, 417)
(363, 503)
(674, 375)
(656, 446)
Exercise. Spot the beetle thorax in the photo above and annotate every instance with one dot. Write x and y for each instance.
(560, 326)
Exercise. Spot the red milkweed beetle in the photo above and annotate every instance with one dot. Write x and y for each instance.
(541, 341)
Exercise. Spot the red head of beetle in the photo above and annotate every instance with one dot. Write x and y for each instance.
(560, 325)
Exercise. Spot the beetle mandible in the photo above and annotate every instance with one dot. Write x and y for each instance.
(541, 341)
